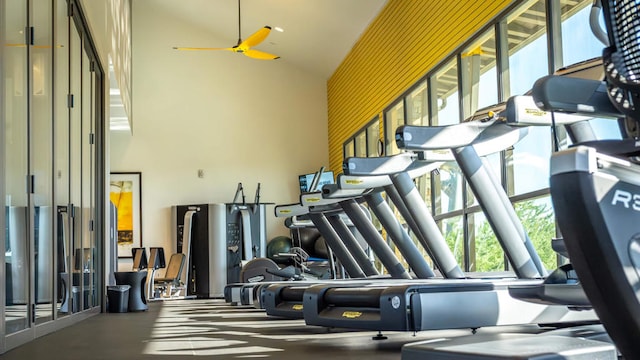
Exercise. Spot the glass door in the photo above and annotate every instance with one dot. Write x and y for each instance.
(51, 103)
(87, 171)
(80, 253)
(41, 159)
(15, 87)
(61, 182)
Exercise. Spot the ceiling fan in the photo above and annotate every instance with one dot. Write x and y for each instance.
(245, 46)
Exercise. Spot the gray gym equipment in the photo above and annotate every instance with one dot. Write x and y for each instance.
(243, 293)
(562, 286)
(216, 240)
(595, 195)
(447, 304)
(364, 225)
(285, 300)
(573, 343)
(557, 289)
(404, 194)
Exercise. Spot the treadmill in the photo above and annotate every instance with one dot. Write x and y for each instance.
(559, 288)
(286, 300)
(584, 184)
(394, 175)
(355, 262)
(240, 293)
(448, 304)
(325, 214)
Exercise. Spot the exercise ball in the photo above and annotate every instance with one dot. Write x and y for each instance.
(307, 238)
(279, 244)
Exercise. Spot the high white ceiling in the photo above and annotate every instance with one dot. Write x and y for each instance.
(317, 35)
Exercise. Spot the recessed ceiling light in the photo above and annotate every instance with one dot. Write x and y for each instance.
(279, 29)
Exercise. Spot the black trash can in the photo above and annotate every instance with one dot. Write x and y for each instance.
(118, 298)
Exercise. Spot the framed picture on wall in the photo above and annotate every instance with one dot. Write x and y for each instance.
(126, 194)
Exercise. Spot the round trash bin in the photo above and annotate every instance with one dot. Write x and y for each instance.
(118, 298)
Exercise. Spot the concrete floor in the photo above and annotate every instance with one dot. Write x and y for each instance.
(178, 329)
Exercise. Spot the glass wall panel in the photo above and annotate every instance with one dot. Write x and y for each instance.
(538, 220)
(49, 167)
(41, 140)
(448, 187)
(453, 231)
(373, 139)
(88, 239)
(393, 119)
(15, 141)
(485, 251)
(75, 167)
(348, 149)
(527, 46)
(361, 144)
(579, 44)
(448, 182)
(61, 155)
(479, 81)
(578, 41)
(445, 108)
(528, 163)
(418, 106)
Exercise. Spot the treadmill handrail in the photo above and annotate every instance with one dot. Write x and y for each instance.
(521, 110)
(486, 137)
(364, 181)
(382, 165)
(317, 198)
(413, 137)
(287, 210)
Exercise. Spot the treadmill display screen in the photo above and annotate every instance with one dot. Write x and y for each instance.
(307, 179)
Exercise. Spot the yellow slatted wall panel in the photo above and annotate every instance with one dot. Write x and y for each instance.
(405, 41)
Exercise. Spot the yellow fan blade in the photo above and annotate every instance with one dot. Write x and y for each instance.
(256, 38)
(200, 48)
(260, 55)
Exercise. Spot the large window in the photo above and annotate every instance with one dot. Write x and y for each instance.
(487, 254)
(502, 60)
(578, 41)
(418, 106)
(348, 149)
(361, 144)
(365, 143)
(526, 31)
(374, 147)
(453, 229)
(478, 74)
(445, 108)
(527, 46)
(393, 118)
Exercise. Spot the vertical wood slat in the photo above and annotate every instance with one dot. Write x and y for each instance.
(404, 42)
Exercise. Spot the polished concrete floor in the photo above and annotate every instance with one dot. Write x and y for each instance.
(178, 329)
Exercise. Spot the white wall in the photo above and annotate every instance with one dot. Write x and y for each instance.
(238, 119)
